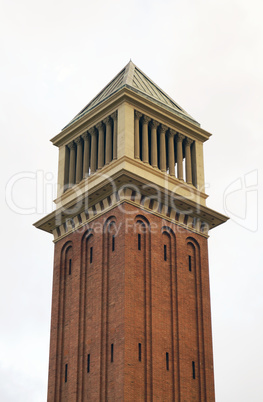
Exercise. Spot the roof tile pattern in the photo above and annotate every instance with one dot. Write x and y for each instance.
(144, 84)
(133, 78)
(111, 88)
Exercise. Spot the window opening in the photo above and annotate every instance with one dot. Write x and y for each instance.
(140, 351)
(193, 367)
(88, 363)
(111, 358)
(66, 372)
(165, 252)
(190, 263)
(167, 361)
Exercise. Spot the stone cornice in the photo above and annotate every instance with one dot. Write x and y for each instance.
(87, 196)
(195, 222)
(118, 165)
(142, 105)
(181, 219)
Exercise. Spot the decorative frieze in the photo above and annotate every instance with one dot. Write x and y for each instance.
(181, 217)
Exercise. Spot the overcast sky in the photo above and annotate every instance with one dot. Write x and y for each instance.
(55, 57)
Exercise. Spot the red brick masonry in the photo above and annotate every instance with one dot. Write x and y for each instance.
(146, 309)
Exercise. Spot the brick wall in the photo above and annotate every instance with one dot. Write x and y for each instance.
(124, 297)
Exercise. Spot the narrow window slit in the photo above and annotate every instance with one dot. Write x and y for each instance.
(140, 351)
(111, 350)
(139, 241)
(165, 252)
(113, 243)
(193, 367)
(88, 363)
(66, 373)
(190, 263)
(167, 361)
(91, 255)
(69, 267)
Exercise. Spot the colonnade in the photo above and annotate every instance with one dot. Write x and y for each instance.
(164, 148)
(91, 151)
(154, 143)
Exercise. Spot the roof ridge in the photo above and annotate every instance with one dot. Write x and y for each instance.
(135, 79)
(162, 91)
(129, 73)
(98, 94)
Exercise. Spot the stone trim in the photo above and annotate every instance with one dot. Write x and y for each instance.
(181, 218)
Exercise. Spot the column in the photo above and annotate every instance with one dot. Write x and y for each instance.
(194, 163)
(171, 152)
(108, 147)
(153, 126)
(93, 154)
(63, 180)
(78, 142)
(188, 162)
(72, 163)
(86, 139)
(100, 128)
(114, 118)
(137, 117)
(162, 148)
(145, 144)
(179, 148)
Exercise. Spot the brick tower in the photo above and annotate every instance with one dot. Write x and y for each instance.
(131, 306)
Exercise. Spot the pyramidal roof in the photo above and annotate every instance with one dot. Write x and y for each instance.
(133, 78)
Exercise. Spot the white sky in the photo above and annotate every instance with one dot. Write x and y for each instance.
(55, 57)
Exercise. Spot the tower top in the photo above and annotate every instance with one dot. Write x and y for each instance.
(130, 143)
(136, 80)
(130, 307)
